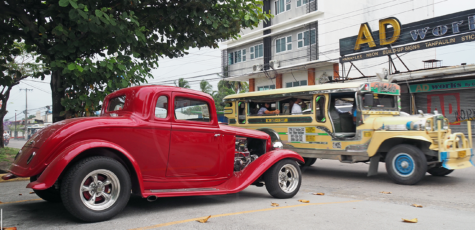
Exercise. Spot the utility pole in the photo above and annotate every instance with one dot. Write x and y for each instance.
(15, 133)
(26, 110)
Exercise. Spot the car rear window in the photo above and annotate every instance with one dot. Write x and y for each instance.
(116, 104)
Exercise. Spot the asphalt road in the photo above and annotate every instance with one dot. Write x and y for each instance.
(351, 201)
(16, 143)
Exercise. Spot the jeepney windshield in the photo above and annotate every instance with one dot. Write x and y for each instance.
(380, 102)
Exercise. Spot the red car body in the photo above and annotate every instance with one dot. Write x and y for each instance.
(164, 156)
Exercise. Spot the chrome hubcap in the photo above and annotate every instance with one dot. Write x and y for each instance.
(99, 189)
(288, 178)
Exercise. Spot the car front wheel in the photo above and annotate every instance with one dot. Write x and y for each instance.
(406, 164)
(96, 189)
(283, 179)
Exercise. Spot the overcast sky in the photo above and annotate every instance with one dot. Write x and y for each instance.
(207, 62)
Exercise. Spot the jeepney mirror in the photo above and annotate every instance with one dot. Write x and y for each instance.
(368, 100)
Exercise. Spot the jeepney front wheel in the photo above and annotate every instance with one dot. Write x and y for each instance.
(406, 164)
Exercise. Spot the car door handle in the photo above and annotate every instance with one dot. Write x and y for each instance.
(217, 135)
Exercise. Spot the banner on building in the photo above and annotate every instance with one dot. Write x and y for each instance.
(392, 32)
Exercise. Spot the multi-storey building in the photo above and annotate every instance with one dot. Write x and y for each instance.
(300, 44)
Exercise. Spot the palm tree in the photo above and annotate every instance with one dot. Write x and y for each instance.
(206, 87)
(182, 83)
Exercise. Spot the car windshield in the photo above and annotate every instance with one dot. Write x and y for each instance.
(380, 102)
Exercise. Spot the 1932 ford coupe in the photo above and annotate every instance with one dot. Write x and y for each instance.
(156, 141)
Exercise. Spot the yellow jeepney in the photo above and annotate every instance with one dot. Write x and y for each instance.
(354, 122)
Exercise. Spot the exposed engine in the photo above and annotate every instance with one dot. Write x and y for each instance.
(242, 156)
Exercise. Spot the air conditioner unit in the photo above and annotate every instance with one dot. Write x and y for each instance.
(274, 63)
(256, 68)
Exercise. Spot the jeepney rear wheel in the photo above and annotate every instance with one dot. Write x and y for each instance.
(406, 164)
(283, 179)
(439, 171)
(308, 162)
(96, 189)
(51, 194)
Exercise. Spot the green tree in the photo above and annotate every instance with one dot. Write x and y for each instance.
(16, 64)
(89, 44)
(182, 83)
(206, 87)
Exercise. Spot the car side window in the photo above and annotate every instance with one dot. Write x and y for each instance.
(191, 110)
(161, 108)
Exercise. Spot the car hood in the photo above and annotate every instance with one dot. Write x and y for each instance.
(244, 132)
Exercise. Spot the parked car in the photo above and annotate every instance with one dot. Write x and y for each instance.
(149, 141)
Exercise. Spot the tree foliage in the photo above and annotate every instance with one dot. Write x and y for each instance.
(95, 47)
(16, 64)
(206, 87)
(182, 83)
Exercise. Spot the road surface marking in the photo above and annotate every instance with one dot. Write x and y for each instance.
(19, 201)
(239, 213)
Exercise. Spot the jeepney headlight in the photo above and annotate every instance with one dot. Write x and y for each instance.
(428, 125)
(445, 124)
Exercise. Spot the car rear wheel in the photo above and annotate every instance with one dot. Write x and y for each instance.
(96, 189)
(51, 194)
(406, 164)
(439, 171)
(283, 179)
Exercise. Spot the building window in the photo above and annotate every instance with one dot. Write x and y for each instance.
(306, 38)
(265, 87)
(282, 6)
(256, 51)
(237, 56)
(295, 83)
(283, 44)
(303, 2)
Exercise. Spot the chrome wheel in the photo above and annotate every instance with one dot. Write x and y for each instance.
(288, 178)
(99, 190)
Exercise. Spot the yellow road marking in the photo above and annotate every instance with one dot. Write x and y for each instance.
(14, 179)
(239, 213)
(19, 201)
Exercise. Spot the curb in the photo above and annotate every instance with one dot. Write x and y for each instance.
(14, 179)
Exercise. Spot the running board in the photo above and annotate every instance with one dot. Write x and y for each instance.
(183, 190)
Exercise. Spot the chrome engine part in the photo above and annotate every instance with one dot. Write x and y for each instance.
(242, 156)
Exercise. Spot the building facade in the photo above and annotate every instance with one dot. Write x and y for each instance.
(300, 44)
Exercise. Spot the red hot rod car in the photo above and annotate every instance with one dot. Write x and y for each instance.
(156, 141)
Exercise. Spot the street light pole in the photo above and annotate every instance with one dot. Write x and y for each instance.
(15, 132)
(26, 109)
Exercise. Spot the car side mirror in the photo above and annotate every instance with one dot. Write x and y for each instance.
(368, 100)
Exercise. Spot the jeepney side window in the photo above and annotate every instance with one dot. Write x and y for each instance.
(241, 108)
(320, 108)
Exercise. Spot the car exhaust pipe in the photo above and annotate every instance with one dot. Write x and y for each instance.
(151, 198)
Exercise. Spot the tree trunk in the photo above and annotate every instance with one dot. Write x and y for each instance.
(3, 111)
(57, 92)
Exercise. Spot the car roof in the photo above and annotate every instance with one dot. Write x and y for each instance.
(157, 88)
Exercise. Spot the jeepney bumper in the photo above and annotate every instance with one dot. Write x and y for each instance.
(457, 159)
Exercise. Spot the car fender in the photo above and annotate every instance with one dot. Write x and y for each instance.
(57, 166)
(381, 136)
(257, 168)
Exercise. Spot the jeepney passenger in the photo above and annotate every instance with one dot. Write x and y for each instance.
(265, 110)
(296, 108)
